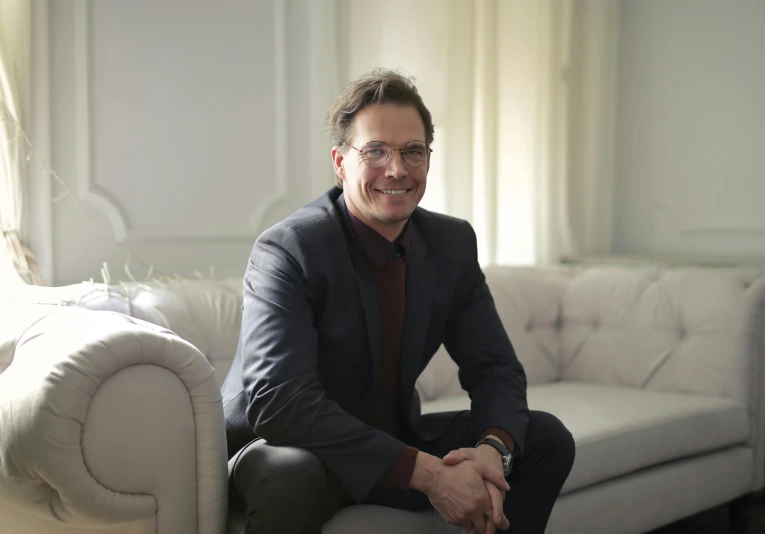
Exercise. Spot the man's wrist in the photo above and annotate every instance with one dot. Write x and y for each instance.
(426, 469)
(495, 437)
(486, 446)
(399, 474)
(502, 436)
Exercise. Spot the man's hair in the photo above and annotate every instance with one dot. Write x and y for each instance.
(381, 86)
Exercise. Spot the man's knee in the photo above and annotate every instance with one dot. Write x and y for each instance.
(558, 438)
(270, 480)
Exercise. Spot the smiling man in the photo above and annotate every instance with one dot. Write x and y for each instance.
(345, 302)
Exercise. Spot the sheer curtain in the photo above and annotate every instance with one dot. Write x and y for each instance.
(591, 129)
(17, 263)
(522, 94)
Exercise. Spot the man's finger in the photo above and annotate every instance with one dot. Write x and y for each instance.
(460, 455)
(492, 475)
(505, 523)
(455, 457)
(496, 503)
(479, 522)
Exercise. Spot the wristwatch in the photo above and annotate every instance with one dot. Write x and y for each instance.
(507, 457)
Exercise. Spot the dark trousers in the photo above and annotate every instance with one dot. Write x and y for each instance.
(287, 489)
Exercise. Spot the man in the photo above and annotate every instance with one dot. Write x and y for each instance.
(345, 302)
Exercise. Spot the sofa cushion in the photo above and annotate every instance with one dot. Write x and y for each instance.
(371, 519)
(528, 302)
(621, 430)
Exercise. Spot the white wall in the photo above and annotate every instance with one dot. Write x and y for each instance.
(691, 128)
(183, 127)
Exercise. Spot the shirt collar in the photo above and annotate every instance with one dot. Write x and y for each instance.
(375, 245)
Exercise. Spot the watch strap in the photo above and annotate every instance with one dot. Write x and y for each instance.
(507, 457)
(504, 451)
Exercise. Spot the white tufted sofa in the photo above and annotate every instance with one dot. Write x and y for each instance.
(112, 423)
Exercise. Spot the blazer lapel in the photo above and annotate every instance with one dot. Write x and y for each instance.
(367, 292)
(369, 303)
(419, 298)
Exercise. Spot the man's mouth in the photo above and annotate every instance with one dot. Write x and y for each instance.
(393, 191)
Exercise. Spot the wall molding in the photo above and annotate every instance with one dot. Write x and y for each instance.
(39, 228)
(280, 192)
(90, 192)
(695, 226)
(691, 226)
(85, 186)
(724, 228)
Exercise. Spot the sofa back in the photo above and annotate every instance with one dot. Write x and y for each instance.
(685, 330)
(529, 302)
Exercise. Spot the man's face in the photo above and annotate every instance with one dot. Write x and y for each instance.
(383, 197)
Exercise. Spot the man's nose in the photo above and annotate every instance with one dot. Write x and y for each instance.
(396, 167)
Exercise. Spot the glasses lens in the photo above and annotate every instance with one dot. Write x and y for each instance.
(415, 154)
(375, 153)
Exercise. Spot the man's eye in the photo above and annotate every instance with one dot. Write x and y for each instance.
(375, 153)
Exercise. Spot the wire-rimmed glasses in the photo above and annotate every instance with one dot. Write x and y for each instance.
(377, 153)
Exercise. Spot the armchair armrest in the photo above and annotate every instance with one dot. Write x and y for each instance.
(107, 420)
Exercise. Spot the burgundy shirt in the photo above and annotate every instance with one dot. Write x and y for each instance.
(387, 262)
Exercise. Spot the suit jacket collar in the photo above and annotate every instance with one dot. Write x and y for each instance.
(367, 290)
(420, 284)
(378, 248)
(416, 242)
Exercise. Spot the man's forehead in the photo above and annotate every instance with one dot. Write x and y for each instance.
(388, 123)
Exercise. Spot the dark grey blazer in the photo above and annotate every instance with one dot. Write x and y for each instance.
(305, 369)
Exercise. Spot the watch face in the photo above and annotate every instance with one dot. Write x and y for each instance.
(507, 462)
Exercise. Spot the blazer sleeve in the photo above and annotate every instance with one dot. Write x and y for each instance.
(489, 369)
(287, 404)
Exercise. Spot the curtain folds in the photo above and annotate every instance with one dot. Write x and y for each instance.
(522, 94)
(17, 263)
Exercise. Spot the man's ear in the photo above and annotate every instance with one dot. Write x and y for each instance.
(337, 162)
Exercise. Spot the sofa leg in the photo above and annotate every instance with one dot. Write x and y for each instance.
(739, 514)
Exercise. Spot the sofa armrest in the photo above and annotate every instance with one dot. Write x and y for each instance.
(106, 420)
(757, 382)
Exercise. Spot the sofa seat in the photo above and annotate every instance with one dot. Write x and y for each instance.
(658, 427)
(371, 519)
(621, 430)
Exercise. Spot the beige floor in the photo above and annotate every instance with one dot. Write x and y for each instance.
(716, 521)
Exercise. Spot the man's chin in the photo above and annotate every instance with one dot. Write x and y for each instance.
(393, 218)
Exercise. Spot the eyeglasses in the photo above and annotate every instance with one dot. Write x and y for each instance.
(377, 153)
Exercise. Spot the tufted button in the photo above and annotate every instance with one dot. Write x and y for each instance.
(595, 324)
(682, 332)
(529, 327)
